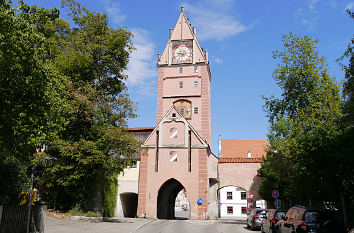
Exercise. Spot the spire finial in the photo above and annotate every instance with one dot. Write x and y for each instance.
(182, 8)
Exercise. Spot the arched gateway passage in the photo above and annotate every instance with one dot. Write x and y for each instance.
(129, 204)
(166, 199)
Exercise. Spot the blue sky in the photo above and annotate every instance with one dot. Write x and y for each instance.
(240, 37)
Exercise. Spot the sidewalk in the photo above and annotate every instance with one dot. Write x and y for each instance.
(108, 225)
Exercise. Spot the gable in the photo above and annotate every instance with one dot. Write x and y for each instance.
(173, 131)
(182, 32)
(182, 29)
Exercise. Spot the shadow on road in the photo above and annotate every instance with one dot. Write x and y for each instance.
(249, 229)
(180, 218)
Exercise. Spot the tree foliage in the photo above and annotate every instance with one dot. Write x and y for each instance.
(304, 126)
(63, 86)
(33, 93)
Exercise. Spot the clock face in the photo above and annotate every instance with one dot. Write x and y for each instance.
(182, 52)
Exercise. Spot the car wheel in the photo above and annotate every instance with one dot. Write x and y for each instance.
(252, 228)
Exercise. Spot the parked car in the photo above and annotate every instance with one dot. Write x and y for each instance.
(299, 219)
(270, 220)
(254, 218)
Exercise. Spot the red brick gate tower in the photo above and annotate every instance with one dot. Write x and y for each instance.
(177, 154)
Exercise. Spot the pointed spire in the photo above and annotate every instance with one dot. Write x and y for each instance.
(182, 32)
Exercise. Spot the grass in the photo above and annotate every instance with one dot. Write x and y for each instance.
(76, 211)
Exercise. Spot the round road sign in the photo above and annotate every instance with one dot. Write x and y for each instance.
(277, 203)
(275, 193)
(200, 201)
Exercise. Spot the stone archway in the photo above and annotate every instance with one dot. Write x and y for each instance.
(129, 202)
(166, 199)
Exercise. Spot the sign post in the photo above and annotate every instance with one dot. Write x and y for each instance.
(277, 202)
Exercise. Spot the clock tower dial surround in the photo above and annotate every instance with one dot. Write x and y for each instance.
(182, 52)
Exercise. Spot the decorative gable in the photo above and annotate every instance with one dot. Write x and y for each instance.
(183, 33)
(173, 131)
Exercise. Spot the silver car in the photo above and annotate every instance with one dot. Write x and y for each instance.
(254, 218)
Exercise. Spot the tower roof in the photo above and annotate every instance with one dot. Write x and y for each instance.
(183, 32)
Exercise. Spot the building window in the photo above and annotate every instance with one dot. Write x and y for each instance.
(180, 84)
(195, 68)
(230, 210)
(229, 195)
(173, 114)
(195, 110)
(173, 132)
(195, 83)
(181, 111)
(243, 210)
(173, 156)
(243, 196)
(181, 69)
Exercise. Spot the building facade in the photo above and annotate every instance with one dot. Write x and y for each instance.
(176, 158)
(237, 166)
(177, 153)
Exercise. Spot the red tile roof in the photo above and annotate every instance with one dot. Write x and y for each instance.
(239, 148)
(140, 129)
(240, 160)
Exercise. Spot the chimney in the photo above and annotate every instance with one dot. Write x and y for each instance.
(249, 155)
(195, 30)
(158, 57)
(170, 32)
(206, 55)
(182, 8)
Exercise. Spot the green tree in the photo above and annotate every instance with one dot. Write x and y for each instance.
(346, 141)
(93, 56)
(304, 123)
(348, 87)
(32, 93)
(63, 86)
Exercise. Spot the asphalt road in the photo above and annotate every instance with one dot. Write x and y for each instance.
(138, 225)
(194, 226)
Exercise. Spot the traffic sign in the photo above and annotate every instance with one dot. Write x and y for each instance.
(275, 193)
(200, 201)
(251, 195)
(277, 203)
